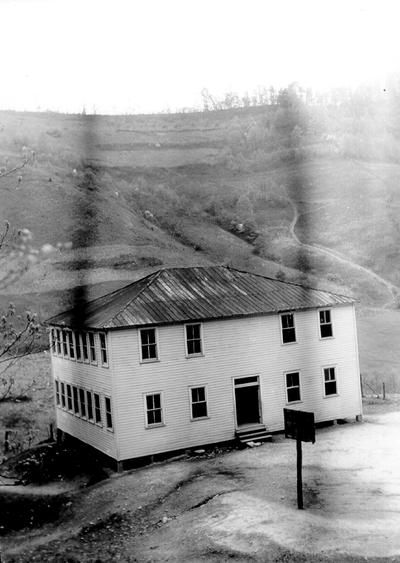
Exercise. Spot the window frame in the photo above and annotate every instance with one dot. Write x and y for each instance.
(108, 412)
(64, 343)
(89, 416)
(195, 354)
(58, 341)
(83, 411)
(78, 347)
(324, 381)
(92, 348)
(71, 345)
(154, 424)
(106, 363)
(204, 417)
(320, 324)
(156, 342)
(290, 372)
(288, 328)
(97, 409)
(70, 406)
(75, 401)
(63, 395)
(57, 392)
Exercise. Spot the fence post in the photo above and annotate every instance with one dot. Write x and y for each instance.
(383, 391)
(361, 385)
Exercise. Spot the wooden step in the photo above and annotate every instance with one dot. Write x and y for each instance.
(257, 434)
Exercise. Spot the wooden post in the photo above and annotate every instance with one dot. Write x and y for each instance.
(383, 391)
(299, 474)
(6, 441)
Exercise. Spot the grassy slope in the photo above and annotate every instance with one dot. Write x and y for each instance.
(174, 166)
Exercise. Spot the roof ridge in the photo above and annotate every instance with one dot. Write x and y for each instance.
(153, 275)
(288, 282)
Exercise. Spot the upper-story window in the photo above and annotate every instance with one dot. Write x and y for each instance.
(103, 349)
(330, 382)
(288, 328)
(92, 347)
(78, 346)
(325, 323)
(194, 346)
(148, 344)
(71, 344)
(64, 343)
(293, 386)
(58, 341)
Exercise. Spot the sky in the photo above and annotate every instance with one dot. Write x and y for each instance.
(120, 56)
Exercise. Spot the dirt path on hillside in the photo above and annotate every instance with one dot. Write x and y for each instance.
(240, 505)
(392, 289)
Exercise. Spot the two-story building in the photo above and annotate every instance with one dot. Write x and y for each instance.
(189, 356)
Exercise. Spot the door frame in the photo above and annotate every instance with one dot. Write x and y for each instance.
(255, 384)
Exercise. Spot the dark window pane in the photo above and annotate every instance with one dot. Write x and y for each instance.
(199, 410)
(97, 409)
(326, 330)
(89, 405)
(82, 402)
(293, 394)
(330, 388)
(289, 335)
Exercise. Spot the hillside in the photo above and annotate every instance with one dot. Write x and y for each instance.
(258, 187)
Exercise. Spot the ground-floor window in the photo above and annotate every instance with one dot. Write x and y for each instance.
(97, 408)
(154, 413)
(107, 405)
(198, 400)
(330, 381)
(293, 387)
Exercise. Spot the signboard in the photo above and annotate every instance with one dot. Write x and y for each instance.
(299, 425)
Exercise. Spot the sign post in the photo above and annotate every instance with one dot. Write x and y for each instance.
(299, 426)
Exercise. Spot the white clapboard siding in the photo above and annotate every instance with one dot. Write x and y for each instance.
(232, 348)
(94, 378)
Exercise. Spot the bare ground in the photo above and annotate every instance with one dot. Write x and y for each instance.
(240, 505)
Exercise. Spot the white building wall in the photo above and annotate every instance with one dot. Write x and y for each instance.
(90, 377)
(232, 348)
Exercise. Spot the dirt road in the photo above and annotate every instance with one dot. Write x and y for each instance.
(392, 289)
(240, 505)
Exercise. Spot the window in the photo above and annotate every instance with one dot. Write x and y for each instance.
(52, 340)
(325, 323)
(76, 399)
(198, 402)
(63, 395)
(330, 381)
(85, 351)
(57, 393)
(89, 405)
(58, 341)
(193, 340)
(69, 397)
(78, 346)
(288, 330)
(293, 387)
(107, 404)
(103, 349)
(71, 343)
(64, 343)
(97, 408)
(82, 402)
(148, 344)
(92, 347)
(153, 409)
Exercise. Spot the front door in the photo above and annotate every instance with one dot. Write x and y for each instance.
(247, 398)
